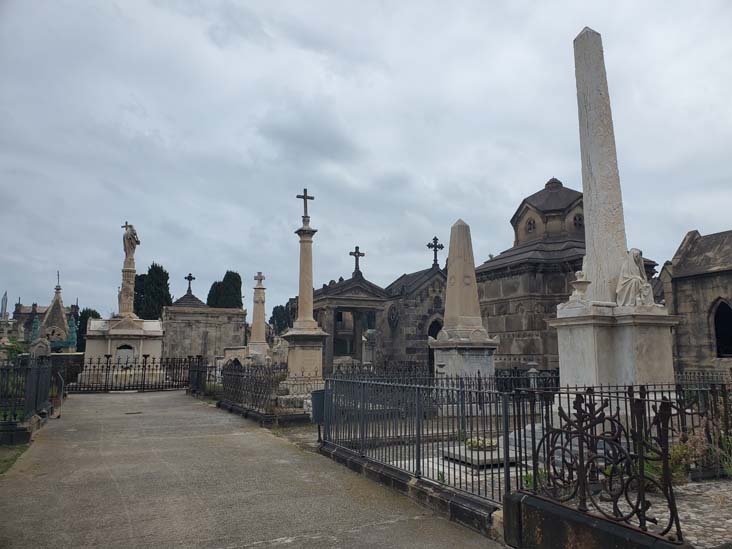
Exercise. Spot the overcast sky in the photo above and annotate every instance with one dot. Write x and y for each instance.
(199, 122)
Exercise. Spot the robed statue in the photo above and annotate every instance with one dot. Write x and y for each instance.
(130, 241)
(633, 288)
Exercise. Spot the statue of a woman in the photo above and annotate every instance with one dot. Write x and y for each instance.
(633, 287)
(130, 241)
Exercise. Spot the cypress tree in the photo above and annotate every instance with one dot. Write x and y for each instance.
(156, 293)
(226, 292)
(139, 293)
(279, 319)
(214, 295)
(231, 290)
(84, 317)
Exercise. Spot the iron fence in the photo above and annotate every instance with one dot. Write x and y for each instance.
(251, 387)
(26, 388)
(105, 374)
(614, 451)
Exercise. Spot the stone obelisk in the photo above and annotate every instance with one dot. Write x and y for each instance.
(605, 241)
(600, 340)
(305, 338)
(258, 341)
(463, 346)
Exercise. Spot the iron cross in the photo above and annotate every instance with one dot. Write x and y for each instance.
(190, 278)
(305, 199)
(357, 254)
(435, 247)
(259, 277)
(125, 226)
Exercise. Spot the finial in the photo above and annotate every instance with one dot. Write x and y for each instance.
(305, 199)
(190, 278)
(435, 247)
(357, 254)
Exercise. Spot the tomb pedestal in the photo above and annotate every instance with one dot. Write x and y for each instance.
(604, 344)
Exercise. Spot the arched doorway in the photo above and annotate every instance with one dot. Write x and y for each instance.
(723, 329)
(432, 331)
(125, 355)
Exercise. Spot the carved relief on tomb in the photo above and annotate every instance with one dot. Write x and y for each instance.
(393, 316)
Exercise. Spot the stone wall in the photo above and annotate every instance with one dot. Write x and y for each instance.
(407, 341)
(514, 307)
(695, 299)
(199, 331)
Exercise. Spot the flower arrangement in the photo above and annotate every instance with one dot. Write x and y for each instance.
(478, 443)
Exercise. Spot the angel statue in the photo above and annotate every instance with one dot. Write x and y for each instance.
(130, 241)
(633, 288)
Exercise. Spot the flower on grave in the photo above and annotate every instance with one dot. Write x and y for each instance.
(479, 443)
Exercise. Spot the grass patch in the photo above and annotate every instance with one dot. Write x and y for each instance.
(8, 455)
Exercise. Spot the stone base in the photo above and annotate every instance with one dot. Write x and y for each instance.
(600, 344)
(258, 348)
(464, 361)
(121, 377)
(305, 352)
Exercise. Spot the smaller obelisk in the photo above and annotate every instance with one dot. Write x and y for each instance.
(605, 242)
(258, 342)
(305, 338)
(463, 346)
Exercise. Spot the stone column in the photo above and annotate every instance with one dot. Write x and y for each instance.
(258, 342)
(305, 318)
(127, 290)
(463, 346)
(605, 241)
(305, 338)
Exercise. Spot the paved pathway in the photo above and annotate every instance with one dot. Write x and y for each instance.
(166, 470)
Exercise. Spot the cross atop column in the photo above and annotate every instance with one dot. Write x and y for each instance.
(190, 278)
(259, 278)
(305, 197)
(435, 247)
(357, 254)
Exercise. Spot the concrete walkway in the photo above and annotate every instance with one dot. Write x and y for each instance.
(166, 470)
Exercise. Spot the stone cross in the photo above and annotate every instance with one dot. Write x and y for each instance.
(435, 247)
(190, 278)
(259, 278)
(305, 199)
(357, 254)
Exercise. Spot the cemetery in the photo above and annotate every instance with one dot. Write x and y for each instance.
(563, 393)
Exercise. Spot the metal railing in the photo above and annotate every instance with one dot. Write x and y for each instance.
(26, 387)
(105, 374)
(614, 451)
(251, 388)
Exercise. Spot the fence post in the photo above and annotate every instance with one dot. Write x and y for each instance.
(107, 368)
(362, 417)
(506, 443)
(461, 409)
(144, 368)
(418, 434)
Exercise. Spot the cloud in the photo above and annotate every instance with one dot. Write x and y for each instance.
(199, 122)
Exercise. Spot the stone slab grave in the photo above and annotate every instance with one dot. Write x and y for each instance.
(477, 458)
